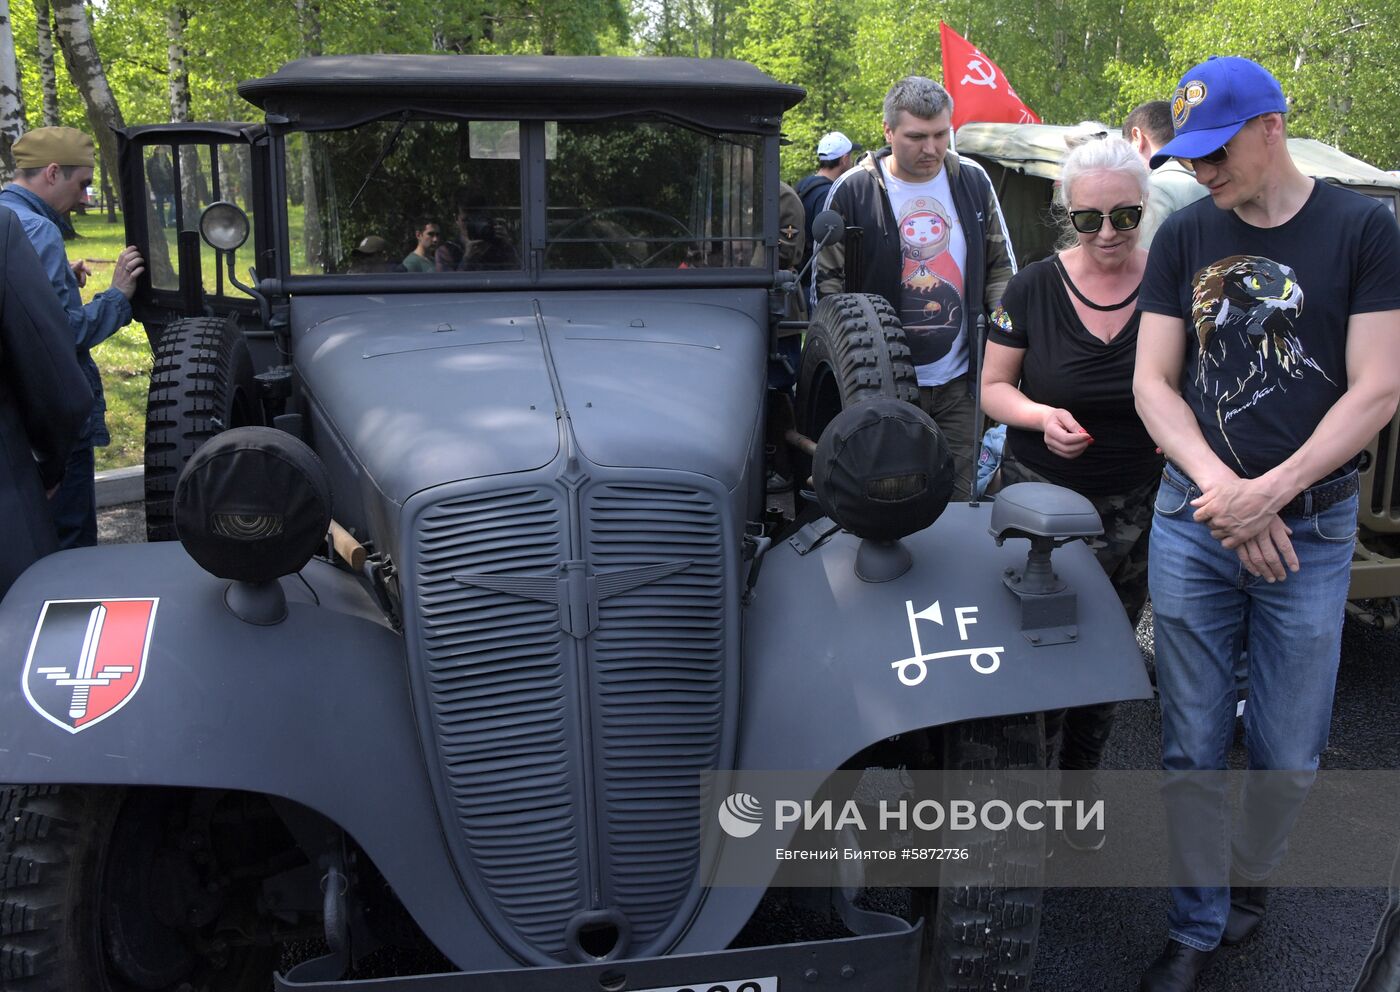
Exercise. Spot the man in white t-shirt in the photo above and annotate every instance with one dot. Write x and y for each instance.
(933, 245)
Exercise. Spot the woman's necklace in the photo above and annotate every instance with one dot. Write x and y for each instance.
(1084, 299)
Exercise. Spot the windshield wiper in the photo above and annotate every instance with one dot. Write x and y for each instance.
(379, 159)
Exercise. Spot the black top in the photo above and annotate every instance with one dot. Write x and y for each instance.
(1066, 366)
(341, 90)
(1266, 314)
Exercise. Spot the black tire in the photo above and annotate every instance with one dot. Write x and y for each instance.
(980, 933)
(85, 880)
(854, 350)
(201, 383)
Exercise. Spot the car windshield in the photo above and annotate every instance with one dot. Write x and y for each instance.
(419, 195)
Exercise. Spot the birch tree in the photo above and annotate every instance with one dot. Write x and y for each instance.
(176, 19)
(48, 78)
(11, 95)
(309, 17)
(85, 69)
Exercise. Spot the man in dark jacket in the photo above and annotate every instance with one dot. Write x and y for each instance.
(933, 245)
(44, 401)
(836, 153)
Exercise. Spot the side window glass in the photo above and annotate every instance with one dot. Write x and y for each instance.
(231, 181)
(158, 164)
(181, 180)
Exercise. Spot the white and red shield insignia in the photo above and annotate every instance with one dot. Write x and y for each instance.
(87, 658)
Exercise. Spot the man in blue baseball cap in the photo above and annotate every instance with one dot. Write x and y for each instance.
(1267, 359)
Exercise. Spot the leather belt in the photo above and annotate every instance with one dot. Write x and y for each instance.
(1320, 497)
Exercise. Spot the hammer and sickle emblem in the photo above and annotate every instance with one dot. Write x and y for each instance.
(986, 75)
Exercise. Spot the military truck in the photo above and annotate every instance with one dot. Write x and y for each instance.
(1024, 163)
(462, 583)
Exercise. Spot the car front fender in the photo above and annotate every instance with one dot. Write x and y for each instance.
(315, 709)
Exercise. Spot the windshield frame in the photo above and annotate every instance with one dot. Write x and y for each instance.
(533, 274)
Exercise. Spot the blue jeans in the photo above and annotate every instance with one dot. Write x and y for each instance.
(74, 506)
(1201, 597)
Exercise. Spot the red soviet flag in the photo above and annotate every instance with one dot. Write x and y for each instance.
(979, 89)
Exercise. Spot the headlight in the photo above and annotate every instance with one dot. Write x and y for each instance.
(223, 226)
(883, 469)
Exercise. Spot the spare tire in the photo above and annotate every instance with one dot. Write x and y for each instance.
(855, 349)
(201, 384)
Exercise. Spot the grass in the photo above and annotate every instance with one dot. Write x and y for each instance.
(125, 358)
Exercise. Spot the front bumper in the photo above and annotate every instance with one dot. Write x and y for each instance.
(885, 962)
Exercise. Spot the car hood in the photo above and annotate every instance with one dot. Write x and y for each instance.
(425, 391)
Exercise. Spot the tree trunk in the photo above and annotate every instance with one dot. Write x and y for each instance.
(85, 68)
(309, 17)
(43, 21)
(176, 19)
(11, 95)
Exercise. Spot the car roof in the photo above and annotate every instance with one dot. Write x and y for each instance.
(342, 90)
(1038, 150)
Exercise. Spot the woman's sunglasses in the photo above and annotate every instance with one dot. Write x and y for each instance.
(1122, 219)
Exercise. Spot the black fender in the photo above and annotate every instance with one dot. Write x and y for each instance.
(315, 709)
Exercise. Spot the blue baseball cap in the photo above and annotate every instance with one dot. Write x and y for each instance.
(1214, 100)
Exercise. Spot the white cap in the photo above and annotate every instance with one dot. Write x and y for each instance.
(833, 146)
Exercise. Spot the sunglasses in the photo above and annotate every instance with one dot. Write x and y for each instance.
(1210, 158)
(1122, 219)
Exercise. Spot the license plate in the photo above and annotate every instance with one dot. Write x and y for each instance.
(740, 985)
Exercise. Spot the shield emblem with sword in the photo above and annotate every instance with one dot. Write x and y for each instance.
(87, 659)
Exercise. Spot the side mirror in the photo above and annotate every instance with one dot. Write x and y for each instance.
(827, 229)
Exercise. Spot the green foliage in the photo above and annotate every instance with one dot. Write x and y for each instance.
(1069, 59)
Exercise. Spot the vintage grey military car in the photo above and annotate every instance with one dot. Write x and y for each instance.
(476, 582)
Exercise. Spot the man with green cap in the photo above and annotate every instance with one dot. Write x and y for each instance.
(53, 167)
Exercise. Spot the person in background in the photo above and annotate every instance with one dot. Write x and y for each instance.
(934, 247)
(1147, 129)
(1059, 373)
(53, 167)
(836, 153)
(428, 236)
(161, 176)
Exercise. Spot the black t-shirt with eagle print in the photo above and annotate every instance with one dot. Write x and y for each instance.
(1266, 313)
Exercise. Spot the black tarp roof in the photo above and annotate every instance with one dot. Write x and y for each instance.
(340, 90)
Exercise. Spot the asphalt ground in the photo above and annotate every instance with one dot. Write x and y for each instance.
(1312, 940)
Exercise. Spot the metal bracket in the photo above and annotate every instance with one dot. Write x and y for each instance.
(1046, 618)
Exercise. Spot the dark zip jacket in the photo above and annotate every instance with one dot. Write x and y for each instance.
(861, 198)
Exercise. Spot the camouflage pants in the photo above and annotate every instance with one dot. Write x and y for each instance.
(1122, 547)
(1122, 552)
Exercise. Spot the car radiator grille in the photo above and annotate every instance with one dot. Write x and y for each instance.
(534, 729)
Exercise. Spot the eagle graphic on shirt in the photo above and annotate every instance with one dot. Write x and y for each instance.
(1244, 309)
